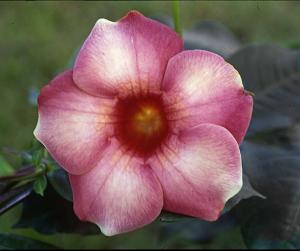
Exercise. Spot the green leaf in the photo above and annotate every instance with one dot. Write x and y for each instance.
(5, 168)
(271, 151)
(26, 158)
(246, 192)
(164, 19)
(272, 73)
(172, 217)
(275, 172)
(60, 181)
(193, 230)
(13, 242)
(52, 214)
(40, 185)
(37, 157)
(212, 36)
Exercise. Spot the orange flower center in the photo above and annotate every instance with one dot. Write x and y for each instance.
(142, 125)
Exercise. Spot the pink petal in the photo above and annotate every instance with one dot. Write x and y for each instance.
(73, 125)
(119, 195)
(202, 88)
(199, 171)
(128, 56)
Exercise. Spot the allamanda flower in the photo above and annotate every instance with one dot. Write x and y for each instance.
(141, 125)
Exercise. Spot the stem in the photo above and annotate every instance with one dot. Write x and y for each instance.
(21, 177)
(16, 187)
(13, 197)
(176, 17)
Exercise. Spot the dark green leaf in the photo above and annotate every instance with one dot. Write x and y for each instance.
(271, 152)
(52, 214)
(26, 158)
(172, 217)
(60, 181)
(13, 242)
(246, 192)
(193, 229)
(37, 157)
(274, 172)
(211, 36)
(272, 73)
(5, 168)
(40, 185)
(164, 19)
(206, 35)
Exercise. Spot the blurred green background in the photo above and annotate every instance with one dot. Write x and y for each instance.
(39, 38)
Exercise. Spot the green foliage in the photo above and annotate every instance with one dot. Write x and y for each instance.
(52, 214)
(16, 185)
(37, 157)
(60, 182)
(172, 217)
(13, 242)
(40, 184)
(271, 150)
(5, 168)
(272, 73)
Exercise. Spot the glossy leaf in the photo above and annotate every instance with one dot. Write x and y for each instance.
(272, 147)
(275, 172)
(60, 181)
(246, 192)
(272, 73)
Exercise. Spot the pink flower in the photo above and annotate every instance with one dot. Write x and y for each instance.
(141, 126)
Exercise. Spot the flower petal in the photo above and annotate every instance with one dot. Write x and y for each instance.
(73, 125)
(125, 56)
(202, 88)
(119, 195)
(199, 171)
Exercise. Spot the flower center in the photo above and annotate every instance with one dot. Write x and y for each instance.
(142, 125)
